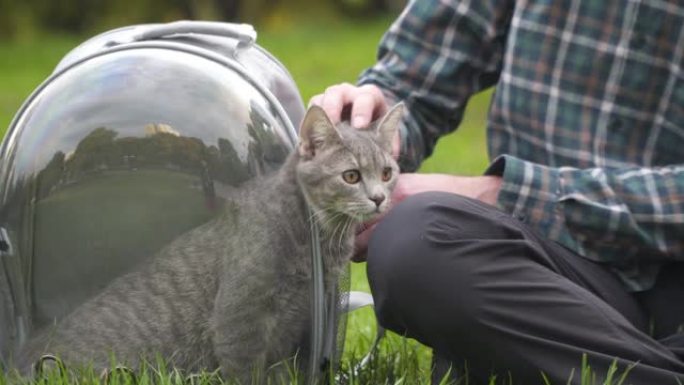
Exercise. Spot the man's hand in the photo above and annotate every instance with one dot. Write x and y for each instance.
(366, 103)
(483, 188)
(360, 105)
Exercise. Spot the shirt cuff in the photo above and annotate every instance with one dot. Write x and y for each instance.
(530, 192)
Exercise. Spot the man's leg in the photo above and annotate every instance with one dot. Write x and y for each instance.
(664, 304)
(480, 287)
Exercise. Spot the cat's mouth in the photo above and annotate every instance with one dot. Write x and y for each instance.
(358, 212)
(368, 214)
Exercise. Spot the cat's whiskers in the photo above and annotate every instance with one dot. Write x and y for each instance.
(322, 219)
(335, 224)
(332, 234)
(343, 233)
(324, 222)
(316, 213)
(329, 223)
(360, 211)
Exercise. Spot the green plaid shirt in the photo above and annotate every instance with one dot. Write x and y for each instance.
(587, 122)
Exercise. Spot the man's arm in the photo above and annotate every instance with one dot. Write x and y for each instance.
(482, 188)
(607, 214)
(434, 57)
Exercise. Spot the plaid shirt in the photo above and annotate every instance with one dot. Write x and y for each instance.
(586, 126)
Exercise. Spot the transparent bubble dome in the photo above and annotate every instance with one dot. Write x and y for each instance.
(115, 157)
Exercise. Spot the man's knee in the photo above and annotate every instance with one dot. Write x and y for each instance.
(399, 248)
(425, 224)
(416, 254)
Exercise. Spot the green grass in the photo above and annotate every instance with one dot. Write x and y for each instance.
(318, 54)
(23, 65)
(396, 366)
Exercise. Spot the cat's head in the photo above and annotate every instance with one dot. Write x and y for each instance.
(346, 172)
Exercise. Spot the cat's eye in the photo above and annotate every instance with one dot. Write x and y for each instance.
(386, 174)
(351, 176)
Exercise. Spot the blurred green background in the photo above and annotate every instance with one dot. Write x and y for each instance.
(320, 42)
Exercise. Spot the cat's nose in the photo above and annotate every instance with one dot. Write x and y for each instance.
(378, 199)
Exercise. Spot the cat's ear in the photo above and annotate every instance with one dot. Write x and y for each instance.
(316, 132)
(389, 125)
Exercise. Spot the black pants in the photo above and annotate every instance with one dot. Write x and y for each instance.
(482, 288)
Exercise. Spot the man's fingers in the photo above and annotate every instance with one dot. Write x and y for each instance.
(335, 98)
(369, 104)
(366, 103)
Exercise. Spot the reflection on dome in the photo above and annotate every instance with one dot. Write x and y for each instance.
(146, 188)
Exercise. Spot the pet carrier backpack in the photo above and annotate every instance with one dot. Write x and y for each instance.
(129, 143)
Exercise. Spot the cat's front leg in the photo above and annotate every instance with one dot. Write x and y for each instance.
(240, 330)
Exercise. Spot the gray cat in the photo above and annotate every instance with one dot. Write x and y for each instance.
(234, 293)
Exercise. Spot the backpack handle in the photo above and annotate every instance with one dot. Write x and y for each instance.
(244, 33)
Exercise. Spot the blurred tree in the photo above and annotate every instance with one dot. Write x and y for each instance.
(92, 16)
(226, 10)
(51, 175)
(366, 8)
(15, 18)
(66, 15)
(89, 16)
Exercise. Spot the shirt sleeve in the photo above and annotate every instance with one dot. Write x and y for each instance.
(433, 58)
(621, 215)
